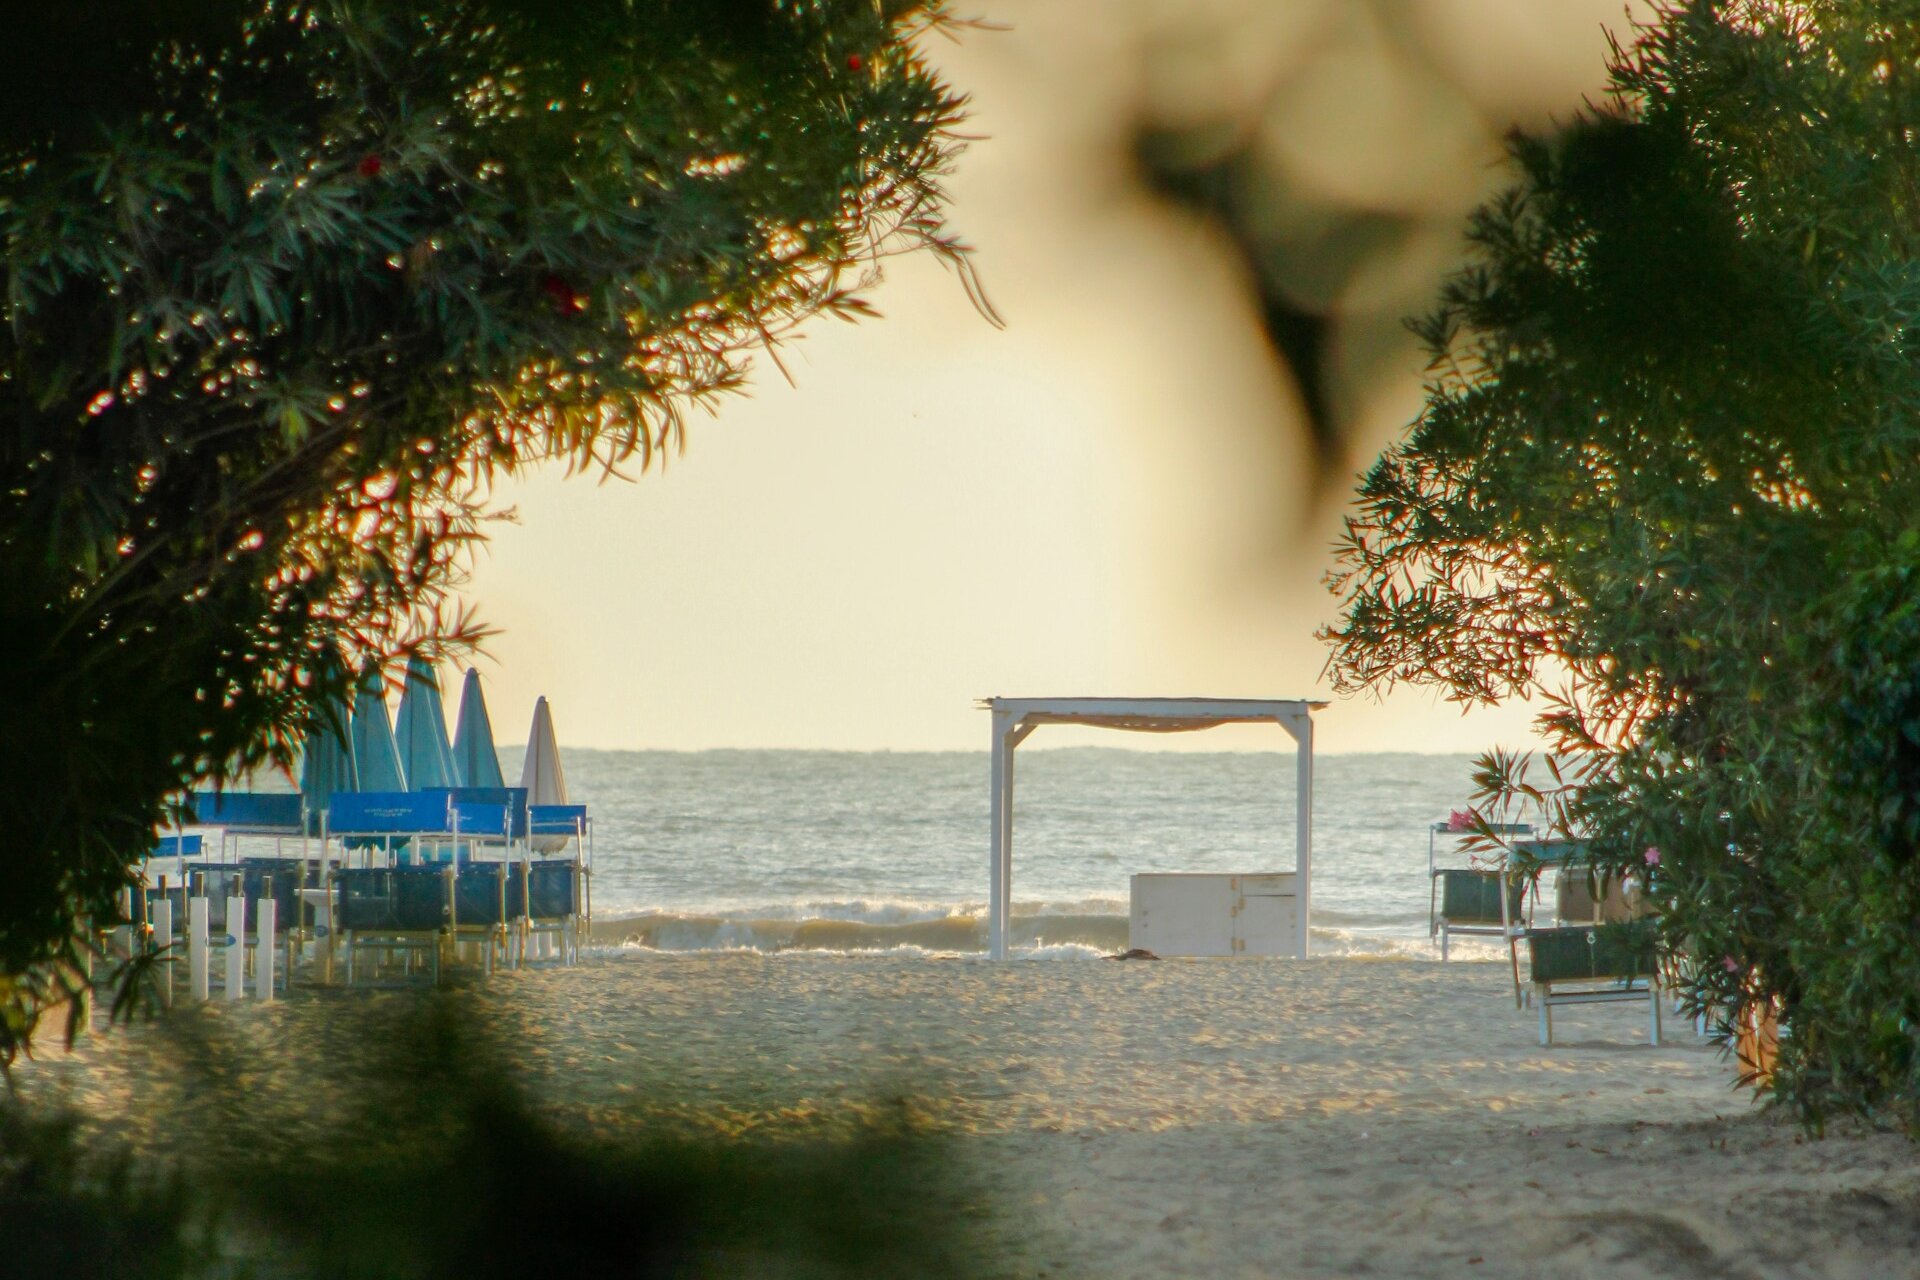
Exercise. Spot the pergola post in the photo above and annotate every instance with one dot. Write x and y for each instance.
(1299, 725)
(1000, 815)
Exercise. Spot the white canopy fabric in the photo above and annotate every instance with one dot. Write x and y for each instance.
(541, 775)
(1015, 718)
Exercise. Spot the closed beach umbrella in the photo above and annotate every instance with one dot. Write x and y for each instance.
(420, 732)
(541, 775)
(475, 761)
(375, 758)
(326, 763)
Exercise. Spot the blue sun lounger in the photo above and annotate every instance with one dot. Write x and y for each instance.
(557, 891)
(395, 911)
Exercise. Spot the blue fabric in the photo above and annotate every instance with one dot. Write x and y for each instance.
(1552, 850)
(401, 899)
(476, 762)
(481, 820)
(253, 812)
(556, 819)
(326, 764)
(381, 813)
(375, 759)
(420, 732)
(513, 798)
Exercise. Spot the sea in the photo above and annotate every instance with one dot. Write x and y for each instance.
(873, 851)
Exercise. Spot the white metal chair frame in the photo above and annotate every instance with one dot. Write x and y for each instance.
(567, 931)
(1508, 929)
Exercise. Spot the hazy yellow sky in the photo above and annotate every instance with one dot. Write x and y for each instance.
(1105, 496)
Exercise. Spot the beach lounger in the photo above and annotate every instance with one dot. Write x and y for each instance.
(482, 910)
(551, 892)
(556, 892)
(1597, 964)
(394, 911)
(1471, 902)
(1465, 900)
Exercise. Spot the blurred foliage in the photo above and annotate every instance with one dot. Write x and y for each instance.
(1337, 146)
(287, 283)
(1666, 476)
(441, 1166)
(69, 1212)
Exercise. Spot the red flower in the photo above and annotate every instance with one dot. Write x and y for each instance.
(562, 293)
(855, 62)
(370, 166)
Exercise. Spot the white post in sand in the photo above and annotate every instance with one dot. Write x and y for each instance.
(197, 957)
(123, 933)
(163, 945)
(1000, 805)
(263, 951)
(236, 946)
(1299, 725)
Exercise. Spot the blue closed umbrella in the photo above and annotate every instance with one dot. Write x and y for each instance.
(375, 758)
(476, 763)
(326, 763)
(420, 733)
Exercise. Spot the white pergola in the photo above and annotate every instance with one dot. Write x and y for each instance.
(1015, 718)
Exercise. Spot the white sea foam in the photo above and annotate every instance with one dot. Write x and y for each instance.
(774, 851)
(956, 933)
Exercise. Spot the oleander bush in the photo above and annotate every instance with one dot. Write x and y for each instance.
(288, 282)
(1665, 479)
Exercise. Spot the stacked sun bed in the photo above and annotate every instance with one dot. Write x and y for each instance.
(423, 878)
(385, 883)
(391, 885)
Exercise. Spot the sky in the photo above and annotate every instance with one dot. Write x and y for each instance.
(1109, 495)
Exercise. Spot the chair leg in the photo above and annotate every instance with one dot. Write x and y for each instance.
(1443, 942)
(1544, 999)
(1513, 954)
(1653, 999)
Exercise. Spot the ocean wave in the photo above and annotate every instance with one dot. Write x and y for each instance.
(1404, 923)
(905, 950)
(951, 931)
(1034, 934)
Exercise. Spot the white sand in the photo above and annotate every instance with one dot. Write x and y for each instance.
(1223, 1118)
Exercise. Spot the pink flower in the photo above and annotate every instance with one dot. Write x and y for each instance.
(1460, 820)
(1730, 964)
(1652, 855)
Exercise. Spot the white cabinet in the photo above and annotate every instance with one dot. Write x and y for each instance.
(1215, 914)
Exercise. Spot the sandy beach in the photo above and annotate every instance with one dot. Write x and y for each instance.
(1334, 1117)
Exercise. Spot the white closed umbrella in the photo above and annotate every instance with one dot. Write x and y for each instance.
(541, 775)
